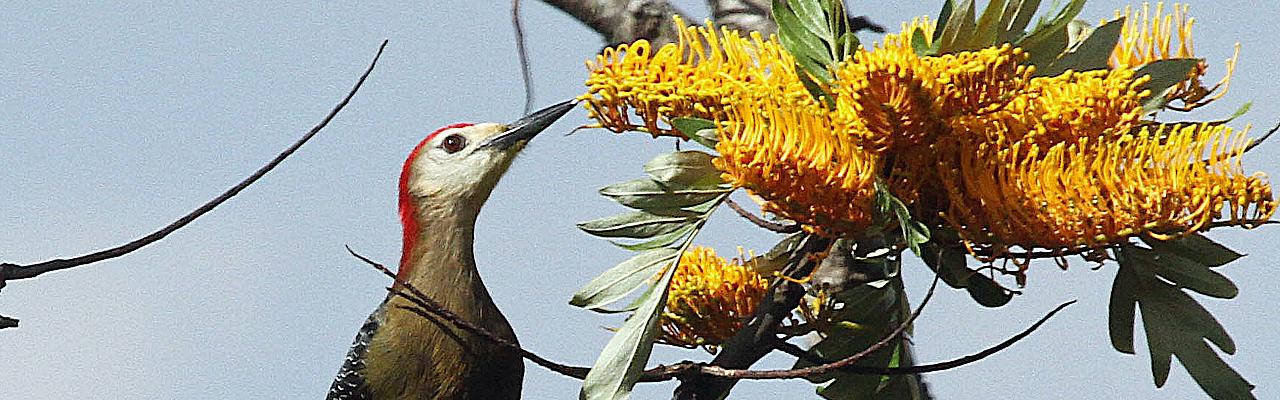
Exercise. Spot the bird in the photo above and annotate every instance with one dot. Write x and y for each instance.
(398, 354)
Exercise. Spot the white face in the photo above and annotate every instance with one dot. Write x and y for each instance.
(456, 165)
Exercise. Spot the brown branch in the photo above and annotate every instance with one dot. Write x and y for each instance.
(624, 21)
(425, 307)
(14, 271)
(925, 368)
(761, 222)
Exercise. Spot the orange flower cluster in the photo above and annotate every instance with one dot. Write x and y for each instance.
(968, 140)
(709, 298)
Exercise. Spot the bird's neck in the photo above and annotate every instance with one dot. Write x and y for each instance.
(438, 256)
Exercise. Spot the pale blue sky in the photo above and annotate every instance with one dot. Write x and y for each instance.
(117, 118)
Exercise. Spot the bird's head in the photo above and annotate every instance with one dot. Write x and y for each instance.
(456, 167)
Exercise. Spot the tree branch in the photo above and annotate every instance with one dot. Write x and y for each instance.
(14, 271)
(624, 21)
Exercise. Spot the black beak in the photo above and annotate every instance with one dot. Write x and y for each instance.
(530, 125)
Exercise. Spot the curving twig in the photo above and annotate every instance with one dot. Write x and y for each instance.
(760, 222)
(10, 271)
(425, 307)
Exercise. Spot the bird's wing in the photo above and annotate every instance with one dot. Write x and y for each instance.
(349, 384)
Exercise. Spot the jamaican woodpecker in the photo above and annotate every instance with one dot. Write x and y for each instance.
(401, 355)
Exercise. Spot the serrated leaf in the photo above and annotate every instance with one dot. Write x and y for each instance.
(1090, 54)
(624, 278)
(644, 194)
(638, 225)
(1196, 247)
(687, 167)
(1175, 325)
(1164, 75)
(659, 241)
(618, 368)
(1195, 276)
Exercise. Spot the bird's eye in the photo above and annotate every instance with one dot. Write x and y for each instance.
(453, 143)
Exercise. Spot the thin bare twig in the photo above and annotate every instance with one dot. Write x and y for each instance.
(522, 52)
(925, 368)
(14, 271)
(425, 307)
(761, 222)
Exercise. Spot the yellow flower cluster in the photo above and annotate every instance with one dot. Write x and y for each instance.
(1148, 36)
(699, 76)
(967, 140)
(709, 298)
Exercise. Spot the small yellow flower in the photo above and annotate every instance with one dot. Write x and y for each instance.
(699, 76)
(1166, 180)
(789, 152)
(709, 298)
(1148, 36)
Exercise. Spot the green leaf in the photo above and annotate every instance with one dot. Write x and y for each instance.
(869, 314)
(913, 232)
(1197, 248)
(639, 225)
(689, 125)
(1122, 310)
(1049, 38)
(944, 16)
(1090, 54)
(707, 138)
(987, 292)
(1174, 323)
(683, 167)
(1016, 19)
(958, 27)
(659, 241)
(646, 194)
(618, 368)
(622, 279)
(1195, 276)
(987, 30)
(811, 16)
(1164, 75)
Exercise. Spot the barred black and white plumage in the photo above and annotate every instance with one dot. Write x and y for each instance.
(350, 384)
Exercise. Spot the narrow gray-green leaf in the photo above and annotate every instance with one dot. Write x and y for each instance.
(659, 241)
(622, 279)
(644, 193)
(687, 167)
(639, 225)
(623, 359)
